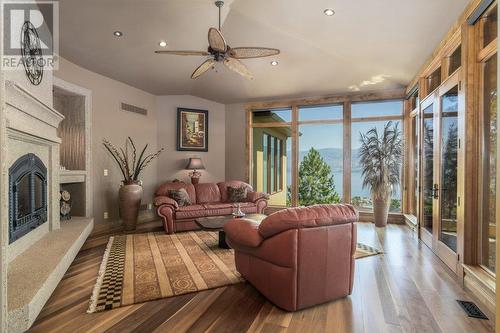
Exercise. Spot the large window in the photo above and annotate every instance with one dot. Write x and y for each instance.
(304, 155)
(367, 116)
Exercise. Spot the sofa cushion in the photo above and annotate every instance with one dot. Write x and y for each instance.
(207, 192)
(233, 183)
(180, 196)
(190, 208)
(164, 188)
(243, 204)
(217, 205)
(193, 214)
(190, 214)
(237, 194)
(307, 217)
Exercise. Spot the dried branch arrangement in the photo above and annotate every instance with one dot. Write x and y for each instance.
(131, 167)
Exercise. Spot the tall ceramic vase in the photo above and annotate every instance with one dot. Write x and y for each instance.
(130, 196)
(380, 211)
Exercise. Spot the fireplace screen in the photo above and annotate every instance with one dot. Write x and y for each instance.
(27, 196)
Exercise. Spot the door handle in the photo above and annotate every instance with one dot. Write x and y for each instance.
(435, 191)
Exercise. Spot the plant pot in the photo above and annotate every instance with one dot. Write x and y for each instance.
(380, 211)
(130, 196)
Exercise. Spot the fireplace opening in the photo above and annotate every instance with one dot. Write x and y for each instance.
(27, 196)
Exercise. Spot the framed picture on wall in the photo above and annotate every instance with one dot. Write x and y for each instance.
(192, 130)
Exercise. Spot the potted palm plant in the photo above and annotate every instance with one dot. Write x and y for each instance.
(381, 158)
(130, 193)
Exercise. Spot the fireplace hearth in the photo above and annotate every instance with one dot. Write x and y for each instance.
(27, 196)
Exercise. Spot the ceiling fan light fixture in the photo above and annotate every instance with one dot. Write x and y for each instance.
(329, 12)
(220, 52)
(117, 33)
(162, 43)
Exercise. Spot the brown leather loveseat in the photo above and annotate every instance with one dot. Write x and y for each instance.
(207, 199)
(297, 257)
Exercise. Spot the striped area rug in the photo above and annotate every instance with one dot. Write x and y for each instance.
(144, 267)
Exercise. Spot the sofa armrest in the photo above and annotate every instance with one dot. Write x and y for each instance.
(256, 196)
(243, 232)
(163, 200)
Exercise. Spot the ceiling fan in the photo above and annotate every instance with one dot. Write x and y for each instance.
(219, 51)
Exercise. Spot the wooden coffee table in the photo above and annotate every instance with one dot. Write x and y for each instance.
(216, 223)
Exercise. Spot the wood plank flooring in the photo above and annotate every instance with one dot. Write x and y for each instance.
(405, 290)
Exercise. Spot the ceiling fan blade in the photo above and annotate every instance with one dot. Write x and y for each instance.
(205, 66)
(252, 52)
(238, 67)
(184, 53)
(216, 40)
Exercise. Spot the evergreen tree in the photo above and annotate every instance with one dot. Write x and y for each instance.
(316, 181)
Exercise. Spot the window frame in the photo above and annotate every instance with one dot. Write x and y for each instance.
(485, 53)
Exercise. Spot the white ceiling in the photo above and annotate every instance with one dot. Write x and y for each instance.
(367, 45)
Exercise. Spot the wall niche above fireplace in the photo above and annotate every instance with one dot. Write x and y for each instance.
(27, 196)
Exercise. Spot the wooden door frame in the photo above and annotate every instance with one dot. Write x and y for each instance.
(447, 255)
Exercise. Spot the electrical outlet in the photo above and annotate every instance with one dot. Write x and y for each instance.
(105, 172)
(106, 215)
(150, 206)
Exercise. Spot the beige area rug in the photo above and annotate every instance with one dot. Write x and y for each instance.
(144, 267)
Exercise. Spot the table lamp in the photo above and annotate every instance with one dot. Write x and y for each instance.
(195, 164)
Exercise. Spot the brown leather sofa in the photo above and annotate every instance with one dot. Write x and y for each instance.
(297, 257)
(208, 199)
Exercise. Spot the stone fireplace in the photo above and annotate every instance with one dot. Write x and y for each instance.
(27, 196)
(37, 247)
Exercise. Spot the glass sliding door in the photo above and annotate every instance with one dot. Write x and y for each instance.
(449, 167)
(440, 148)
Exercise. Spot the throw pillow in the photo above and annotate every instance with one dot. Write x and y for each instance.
(180, 196)
(237, 194)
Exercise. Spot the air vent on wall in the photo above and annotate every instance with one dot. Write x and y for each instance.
(133, 108)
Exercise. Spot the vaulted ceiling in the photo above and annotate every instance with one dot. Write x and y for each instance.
(367, 45)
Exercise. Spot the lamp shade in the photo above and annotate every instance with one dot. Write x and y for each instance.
(195, 163)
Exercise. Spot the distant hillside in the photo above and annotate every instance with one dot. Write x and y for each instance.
(333, 157)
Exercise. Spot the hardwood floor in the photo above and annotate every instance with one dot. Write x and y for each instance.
(405, 290)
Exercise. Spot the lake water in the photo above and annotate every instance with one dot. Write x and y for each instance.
(356, 184)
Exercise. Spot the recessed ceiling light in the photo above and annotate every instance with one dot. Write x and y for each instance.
(163, 43)
(274, 63)
(118, 33)
(329, 12)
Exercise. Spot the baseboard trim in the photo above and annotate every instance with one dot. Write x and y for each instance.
(481, 284)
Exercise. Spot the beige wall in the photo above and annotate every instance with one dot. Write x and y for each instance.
(235, 141)
(172, 163)
(109, 122)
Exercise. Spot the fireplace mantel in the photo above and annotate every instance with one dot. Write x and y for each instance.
(26, 113)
